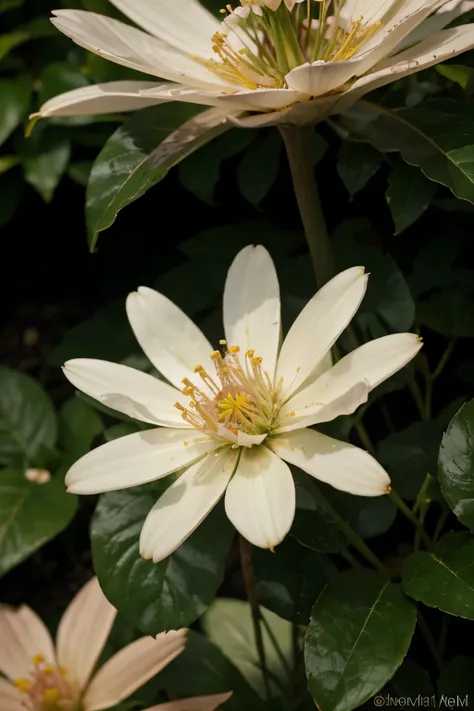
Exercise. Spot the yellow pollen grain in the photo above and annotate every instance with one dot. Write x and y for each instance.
(38, 659)
(234, 349)
(216, 355)
(198, 368)
(63, 671)
(257, 360)
(23, 684)
(48, 669)
(185, 442)
(250, 353)
(50, 696)
(292, 413)
(222, 342)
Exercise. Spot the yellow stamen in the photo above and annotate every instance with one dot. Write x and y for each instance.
(23, 684)
(48, 669)
(234, 349)
(38, 659)
(50, 696)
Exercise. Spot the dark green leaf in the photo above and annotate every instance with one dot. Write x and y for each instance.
(79, 424)
(368, 516)
(411, 680)
(457, 680)
(27, 420)
(451, 314)
(456, 465)
(30, 515)
(140, 153)
(46, 155)
(360, 630)
(156, 597)
(357, 163)
(40, 27)
(11, 189)
(444, 578)
(10, 4)
(16, 94)
(258, 168)
(80, 171)
(459, 74)
(59, 77)
(315, 526)
(122, 429)
(408, 196)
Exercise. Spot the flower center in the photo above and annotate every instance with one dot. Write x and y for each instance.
(239, 397)
(258, 46)
(48, 688)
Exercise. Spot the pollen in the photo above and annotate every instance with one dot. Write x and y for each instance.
(23, 684)
(50, 696)
(38, 659)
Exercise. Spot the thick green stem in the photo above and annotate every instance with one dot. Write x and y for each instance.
(298, 147)
(406, 511)
(429, 639)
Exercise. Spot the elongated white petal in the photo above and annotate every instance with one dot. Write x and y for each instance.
(184, 24)
(136, 394)
(321, 77)
(83, 632)
(170, 91)
(262, 99)
(131, 668)
(108, 98)
(173, 343)
(136, 459)
(319, 325)
(23, 636)
(197, 703)
(353, 10)
(252, 306)
(185, 504)
(339, 464)
(260, 499)
(11, 697)
(436, 22)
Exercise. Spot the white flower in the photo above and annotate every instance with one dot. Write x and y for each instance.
(242, 413)
(48, 677)
(265, 61)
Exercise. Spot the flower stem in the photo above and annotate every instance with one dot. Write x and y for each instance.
(429, 639)
(298, 147)
(406, 511)
(247, 573)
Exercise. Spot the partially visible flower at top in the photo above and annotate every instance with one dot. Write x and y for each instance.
(241, 412)
(41, 676)
(290, 63)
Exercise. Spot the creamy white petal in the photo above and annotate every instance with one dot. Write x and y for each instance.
(184, 24)
(252, 306)
(260, 499)
(170, 91)
(11, 697)
(197, 703)
(339, 464)
(436, 22)
(136, 394)
(319, 325)
(185, 504)
(246, 440)
(131, 668)
(108, 98)
(262, 99)
(321, 77)
(136, 459)
(173, 343)
(23, 635)
(83, 632)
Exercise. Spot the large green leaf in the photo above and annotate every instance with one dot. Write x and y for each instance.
(14, 105)
(45, 158)
(457, 680)
(445, 577)
(456, 465)
(258, 169)
(79, 424)
(30, 515)
(27, 420)
(167, 595)
(140, 153)
(356, 165)
(409, 195)
(39, 27)
(450, 313)
(360, 630)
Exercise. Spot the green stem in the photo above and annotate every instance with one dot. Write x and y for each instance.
(406, 511)
(417, 397)
(429, 639)
(440, 524)
(444, 359)
(247, 573)
(351, 559)
(298, 147)
(276, 646)
(443, 636)
(364, 438)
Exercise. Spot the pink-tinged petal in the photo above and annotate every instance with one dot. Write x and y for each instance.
(23, 636)
(197, 703)
(10, 697)
(131, 668)
(83, 632)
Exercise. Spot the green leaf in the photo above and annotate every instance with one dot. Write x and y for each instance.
(80, 171)
(459, 74)
(16, 94)
(315, 526)
(11, 190)
(79, 424)
(27, 420)
(30, 515)
(40, 27)
(411, 680)
(6, 5)
(228, 624)
(457, 680)
(368, 516)
(167, 595)
(360, 630)
(409, 196)
(258, 169)
(450, 313)
(140, 153)
(444, 578)
(59, 77)
(357, 163)
(456, 465)
(46, 156)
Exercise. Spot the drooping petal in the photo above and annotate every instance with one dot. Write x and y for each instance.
(108, 98)
(170, 91)
(197, 703)
(23, 636)
(339, 464)
(11, 697)
(83, 632)
(260, 499)
(319, 325)
(131, 668)
(136, 394)
(252, 306)
(321, 77)
(262, 99)
(136, 459)
(173, 343)
(185, 504)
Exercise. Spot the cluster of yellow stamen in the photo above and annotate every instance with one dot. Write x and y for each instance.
(239, 397)
(47, 688)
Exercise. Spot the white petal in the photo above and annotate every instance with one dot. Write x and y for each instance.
(260, 499)
(10, 697)
(185, 505)
(197, 703)
(131, 668)
(321, 77)
(136, 459)
(136, 394)
(83, 632)
(173, 343)
(246, 440)
(23, 635)
(368, 10)
(177, 92)
(184, 24)
(252, 306)
(263, 99)
(319, 325)
(339, 464)
(108, 98)
(436, 22)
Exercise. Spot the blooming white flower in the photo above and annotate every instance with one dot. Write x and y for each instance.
(45, 677)
(265, 61)
(244, 410)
